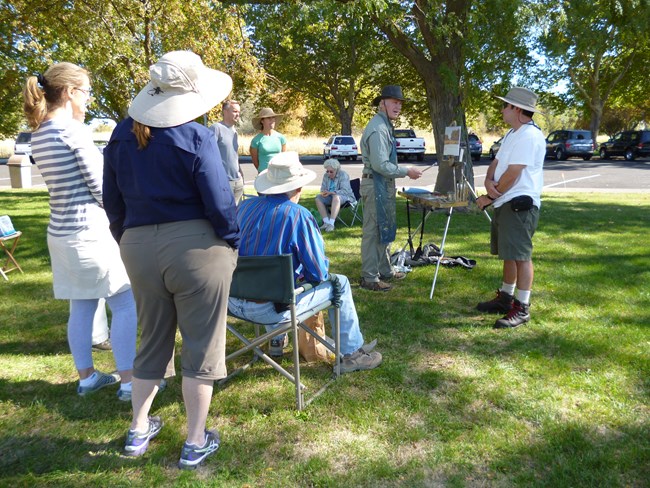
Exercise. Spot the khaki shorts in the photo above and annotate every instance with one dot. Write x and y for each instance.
(180, 274)
(512, 233)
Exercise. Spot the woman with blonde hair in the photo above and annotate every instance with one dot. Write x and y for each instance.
(86, 264)
(268, 142)
(335, 191)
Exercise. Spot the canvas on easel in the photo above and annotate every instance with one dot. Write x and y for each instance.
(452, 141)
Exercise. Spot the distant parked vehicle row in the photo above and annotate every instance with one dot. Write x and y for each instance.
(630, 144)
(561, 144)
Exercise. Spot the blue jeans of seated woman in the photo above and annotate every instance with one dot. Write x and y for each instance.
(264, 313)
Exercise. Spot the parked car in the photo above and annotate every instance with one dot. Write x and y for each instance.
(630, 144)
(475, 147)
(341, 147)
(101, 144)
(23, 144)
(494, 148)
(566, 143)
(409, 144)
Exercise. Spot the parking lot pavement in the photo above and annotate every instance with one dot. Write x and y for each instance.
(572, 175)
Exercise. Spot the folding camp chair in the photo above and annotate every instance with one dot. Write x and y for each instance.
(270, 278)
(354, 209)
(9, 252)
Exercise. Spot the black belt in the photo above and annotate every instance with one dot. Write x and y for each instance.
(365, 175)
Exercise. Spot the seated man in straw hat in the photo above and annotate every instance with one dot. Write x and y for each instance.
(274, 223)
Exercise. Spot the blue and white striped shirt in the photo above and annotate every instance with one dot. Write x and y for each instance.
(71, 166)
(271, 225)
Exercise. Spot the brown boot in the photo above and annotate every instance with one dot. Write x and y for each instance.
(375, 285)
(502, 303)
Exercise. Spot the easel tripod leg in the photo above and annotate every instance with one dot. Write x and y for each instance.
(442, 252)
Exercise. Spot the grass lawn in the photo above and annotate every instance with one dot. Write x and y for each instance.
(561, 401)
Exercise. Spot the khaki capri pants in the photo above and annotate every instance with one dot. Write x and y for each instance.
(180, 273)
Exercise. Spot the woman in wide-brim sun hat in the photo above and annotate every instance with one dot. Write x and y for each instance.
(171, 209)
(268, 142)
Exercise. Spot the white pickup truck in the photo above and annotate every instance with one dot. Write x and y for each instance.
(408, 144)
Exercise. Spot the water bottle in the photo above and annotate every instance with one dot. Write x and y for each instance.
(400, 260)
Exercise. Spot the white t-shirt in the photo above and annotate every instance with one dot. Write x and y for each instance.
(525, 146)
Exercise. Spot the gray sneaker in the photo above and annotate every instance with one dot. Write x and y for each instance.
(276, 346)
(102, 380)
(138, 442)
(360, 360)
(125, 396)
(192, 456)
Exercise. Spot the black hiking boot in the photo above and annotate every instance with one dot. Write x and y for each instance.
(518, 314)
(502, 303)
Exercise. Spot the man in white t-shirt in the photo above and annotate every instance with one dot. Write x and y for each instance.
(514, 183)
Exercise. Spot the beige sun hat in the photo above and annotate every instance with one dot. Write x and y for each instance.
(522, 98)
(181, 89)
(284, 173)
(264, 113)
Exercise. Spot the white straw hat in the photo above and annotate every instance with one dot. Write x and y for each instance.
(181, 89)
(284, 173)
(522, 98)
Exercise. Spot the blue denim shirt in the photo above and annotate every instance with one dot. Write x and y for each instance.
(178, 176)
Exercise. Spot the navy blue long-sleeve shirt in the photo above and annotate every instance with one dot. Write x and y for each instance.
(178, 176)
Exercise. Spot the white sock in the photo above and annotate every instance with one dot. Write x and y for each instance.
(126, 386)
(508, 288)
(90, 380)
(523, 296)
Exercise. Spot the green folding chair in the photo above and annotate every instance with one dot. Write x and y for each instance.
(270, 278)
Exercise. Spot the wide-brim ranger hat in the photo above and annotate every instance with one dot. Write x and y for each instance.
(264, 113)
(284, 173)
(389, 91)
(181, 89)
(522, 98)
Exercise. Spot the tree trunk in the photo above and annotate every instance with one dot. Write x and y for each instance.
(345, 118)
(442, 109)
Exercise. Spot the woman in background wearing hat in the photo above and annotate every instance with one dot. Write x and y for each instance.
(268, 142)
(86, 264)
(172, 211)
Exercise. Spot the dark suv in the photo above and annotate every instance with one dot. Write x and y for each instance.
(630, 144)
(475, 146)
(565, 143)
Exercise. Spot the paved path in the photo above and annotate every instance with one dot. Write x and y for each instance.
(572, 175)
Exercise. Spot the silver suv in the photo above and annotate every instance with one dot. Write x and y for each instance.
(565, 143)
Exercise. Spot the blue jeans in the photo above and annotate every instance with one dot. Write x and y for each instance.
(264, 313)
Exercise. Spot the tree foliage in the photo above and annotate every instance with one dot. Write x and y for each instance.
(456, 51)
(601, 47)
(118, 40)
(319, 49)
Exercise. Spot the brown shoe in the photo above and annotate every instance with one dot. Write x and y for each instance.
(375, 285)
(360, 360)
(396, 276)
